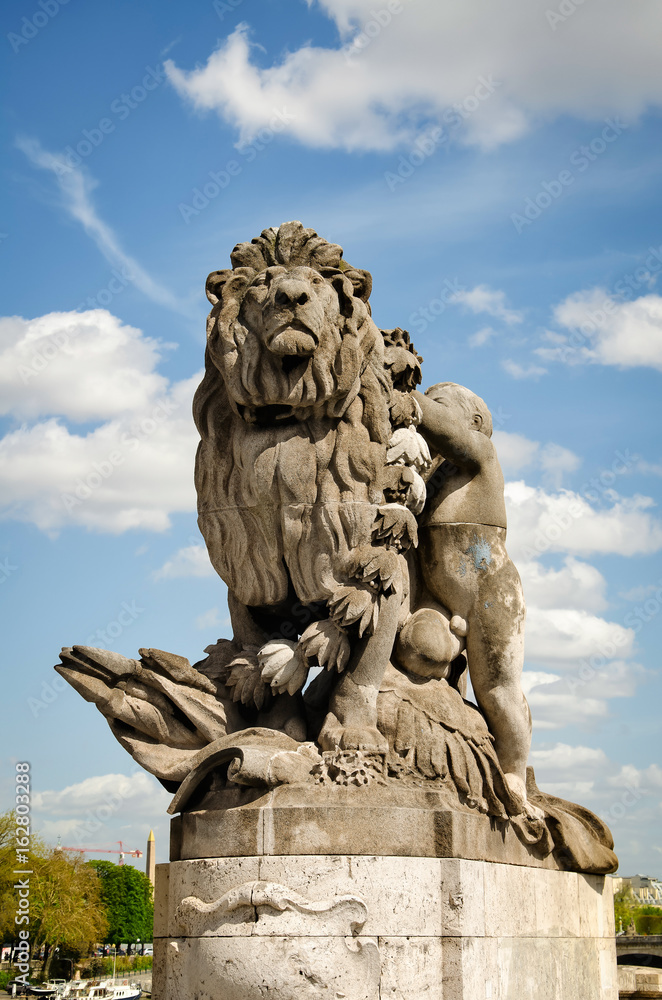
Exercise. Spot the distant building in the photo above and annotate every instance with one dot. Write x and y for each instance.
(150, 859)
(647, 890)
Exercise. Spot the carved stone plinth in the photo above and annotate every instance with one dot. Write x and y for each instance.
(366, 927)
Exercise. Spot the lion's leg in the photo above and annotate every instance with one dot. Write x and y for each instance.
(352, 720)
(246, 631)
(285, 713)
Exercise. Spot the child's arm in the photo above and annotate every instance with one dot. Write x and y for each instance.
(444, 428)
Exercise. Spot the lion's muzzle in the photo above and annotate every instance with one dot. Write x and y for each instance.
(292, 315)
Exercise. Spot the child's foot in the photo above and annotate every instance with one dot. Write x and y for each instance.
(517, 788)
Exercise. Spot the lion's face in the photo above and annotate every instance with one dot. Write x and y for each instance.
(290, 339)
(293, 310)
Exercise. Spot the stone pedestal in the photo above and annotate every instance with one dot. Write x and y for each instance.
(362, 927)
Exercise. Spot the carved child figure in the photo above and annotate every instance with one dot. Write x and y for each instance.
(466, 567)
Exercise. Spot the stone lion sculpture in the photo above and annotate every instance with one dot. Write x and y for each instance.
(317, 456)
(295, 413)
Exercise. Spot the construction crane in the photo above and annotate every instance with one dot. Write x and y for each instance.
(123, 851)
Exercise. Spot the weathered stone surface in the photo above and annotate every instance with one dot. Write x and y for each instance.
(393, 820)
(406, 928)
(638, 983)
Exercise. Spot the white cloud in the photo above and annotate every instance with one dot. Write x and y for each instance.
(98, 811)
(627, 798)
(579, 694)
(556, 460)
(641, 592)
(481, 336)
(483, 299)
(369, 92)
(536, 678)
(211, 619)
(565, 522)
(607, 331)
(76, 188)
(518, 371)
(82, 366)
(514, 450)
(631, 777)
(517, 452)
(96, 792)
(190, 561)
(575, 585)
(131, 471)
(555, 635)
(564, 757)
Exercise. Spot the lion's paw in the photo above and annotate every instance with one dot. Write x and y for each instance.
(334, 735)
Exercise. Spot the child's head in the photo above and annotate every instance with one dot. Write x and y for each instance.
(477, 412)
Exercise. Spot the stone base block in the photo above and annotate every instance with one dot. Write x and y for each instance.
(326, 927)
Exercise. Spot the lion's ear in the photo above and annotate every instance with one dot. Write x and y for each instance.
(362, 282)
(215, 283)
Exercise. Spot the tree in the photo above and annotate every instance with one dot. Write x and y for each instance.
(127, 897)
(66, 905)
(65, 896)
(625, 905)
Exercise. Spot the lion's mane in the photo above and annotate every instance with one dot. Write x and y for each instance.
(289, 467)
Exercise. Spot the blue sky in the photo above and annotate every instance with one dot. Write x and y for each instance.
(496, 168)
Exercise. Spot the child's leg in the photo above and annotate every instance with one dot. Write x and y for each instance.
(495, 651)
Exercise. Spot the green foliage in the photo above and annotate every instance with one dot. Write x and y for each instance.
(625, 904)
(647, 919)
(4, 979)
(65, 901)
(65, 904)
(126, 894)
(102, 968)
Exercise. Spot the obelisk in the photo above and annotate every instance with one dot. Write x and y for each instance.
(150, 861)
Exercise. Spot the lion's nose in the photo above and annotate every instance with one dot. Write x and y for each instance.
(291, 293)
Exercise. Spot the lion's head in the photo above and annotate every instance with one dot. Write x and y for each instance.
(290, 331)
